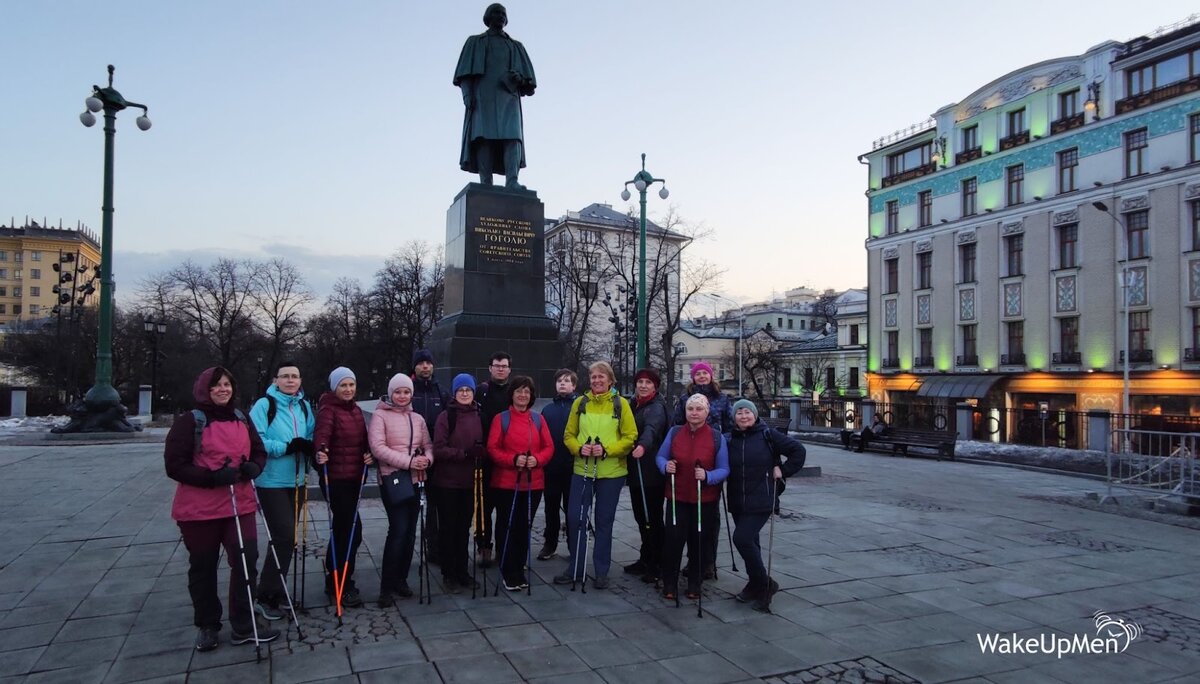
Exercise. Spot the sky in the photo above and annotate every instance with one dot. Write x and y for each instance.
(328, 133)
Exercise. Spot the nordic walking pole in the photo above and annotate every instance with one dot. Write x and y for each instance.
(508, 531)
(637, 462)
(332, 542)
(304, 544)
(278, 565)
(591, 498)
(350, 542)
(529, 533)
(477, 504)
(295, 526)
(699, 552)
(581, 532)
(770, 544)
(424, 588)
(728, 530)
(673, 520)
(245, 572)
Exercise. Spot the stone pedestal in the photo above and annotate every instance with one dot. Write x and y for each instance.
(495, 292)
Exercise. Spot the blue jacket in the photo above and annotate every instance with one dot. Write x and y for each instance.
(720, 408)
(556, 413)
(753, 453)
(291, 421)
(428, 400)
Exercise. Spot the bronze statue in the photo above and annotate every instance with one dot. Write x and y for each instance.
(493, 72)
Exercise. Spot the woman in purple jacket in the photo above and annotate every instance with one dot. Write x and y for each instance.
(458, 449)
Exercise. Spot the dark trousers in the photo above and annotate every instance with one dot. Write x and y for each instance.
(711, 535)
(558, 489)
(455, 508)
(512, 529)
(344, 503)
(684, 532)
(204, 539)
(279, 510)
(432, 522)
(746, 530)
(650, 522)
(398, 547)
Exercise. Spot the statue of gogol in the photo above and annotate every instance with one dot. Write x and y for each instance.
(494, 71)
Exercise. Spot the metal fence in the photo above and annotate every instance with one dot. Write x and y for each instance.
(918, 415)
(831, 413)
(1066, 429)
(1154, 461)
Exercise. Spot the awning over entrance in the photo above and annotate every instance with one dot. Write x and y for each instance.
(972, 386)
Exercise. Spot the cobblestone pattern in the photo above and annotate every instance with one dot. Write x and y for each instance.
(925, 560)
(1076, 540)
(366, 624)
(861, 671)
(1166, 627)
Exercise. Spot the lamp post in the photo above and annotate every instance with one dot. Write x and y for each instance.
(103, 397)
(643, 180)
(1124, 271)
(154, 330)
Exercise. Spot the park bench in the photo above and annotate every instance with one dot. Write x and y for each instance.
(898, 441)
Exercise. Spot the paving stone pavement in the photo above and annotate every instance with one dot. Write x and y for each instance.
(892, 570)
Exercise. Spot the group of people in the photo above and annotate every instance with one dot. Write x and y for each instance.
(479, 460)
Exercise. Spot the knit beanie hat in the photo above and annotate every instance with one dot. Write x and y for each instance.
(701, 366)
(398, 380)
(697, 399)
(745, 404)
(463, 380)
(651, 375)
(338, 375)
(422, 355)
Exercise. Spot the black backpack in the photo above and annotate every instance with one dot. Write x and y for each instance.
(272, 408)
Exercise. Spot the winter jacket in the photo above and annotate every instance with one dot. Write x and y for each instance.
(395, 435)
(342, 429)
(225, 438)
(457, 452)
(689, 448)
(523, 436)
(720, 408)
(616, 435)
(428, 400)
(291, 420)
(556, 414)
(492, 398)
(753, 453)
(652, 425)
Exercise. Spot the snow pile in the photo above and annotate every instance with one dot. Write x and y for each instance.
(12, 426)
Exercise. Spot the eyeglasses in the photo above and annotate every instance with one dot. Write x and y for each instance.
(465, 389)
(288, 376)
(501, 365)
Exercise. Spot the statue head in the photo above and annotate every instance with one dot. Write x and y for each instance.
(495, 16)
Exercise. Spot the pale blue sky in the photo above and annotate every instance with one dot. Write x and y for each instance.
(328, 132)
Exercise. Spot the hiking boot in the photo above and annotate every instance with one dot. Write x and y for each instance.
(636, 568)
(565, 578)
(600, 583)
(351, 598)
(404, 591)
(207, 639)
(450, 586)
(386, 599)
(547, 552)
(265, 633)
(747, 594)
(268, 611)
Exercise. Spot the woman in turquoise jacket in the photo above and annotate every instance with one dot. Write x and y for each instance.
(285, 422)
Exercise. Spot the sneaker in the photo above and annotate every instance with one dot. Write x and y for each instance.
(207, 639)
(547, 552)
(386, 599)
(636, 568)
(267, 611)
(651, 575)
(351, 598)
(565, 578)
(265, 633)
(600, 583)
(404, 591)
(747, 593)
(515, 585)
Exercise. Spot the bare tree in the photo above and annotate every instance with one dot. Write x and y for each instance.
(216, 304)
(760, 361)
(826, 307)
(575, 269)
(280, 296)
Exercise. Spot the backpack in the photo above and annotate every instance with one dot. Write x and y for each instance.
(272, 409)
(617, 399)
(506, 417)
(452, 419)
(202, 421)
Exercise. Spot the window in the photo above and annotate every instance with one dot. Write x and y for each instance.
(803, 322)
(35, 291)
(1015, 177)
(17, 256)
(3, 291)
(3, 255)
(808, 378)
(853, 377)
(16, 292)
(787, 377)
(1147, 77)
(3, 273)
(854, 334)
(1068, 104)
(3, 308)
(970, 190)
(1195, 225)
(790, 321)
(779, 322)
(17, 274)
(1195, 330)
(893, 217)
(35, 255)
(891, 276)
(1016, 338)
(1016, 121)
(1139, 330)
(925, 344)
(970, 138)
(1068, 239)
(1014, 249)
(968, 340)
(925, 270)
(35, 309)
(35, 274)
(830, 378)
(893, 345)
(1068, 335)
(1193, 145)
(966, 263)
(1135, 152)
(912, 158)
(925, 208)
(1068, 162)
(589, 237)
(1138, 223)
(16, 309)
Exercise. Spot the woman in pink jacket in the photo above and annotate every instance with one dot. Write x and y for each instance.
(401, 444)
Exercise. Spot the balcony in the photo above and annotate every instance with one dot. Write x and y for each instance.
(968, 155)
(1012, 359)
(1160, 94)
(1191, 354)
(909, 174)
(1066, 123)
(922, 362)
(890, 363)
(1139, 356)
(967, 360)
(1067, 358)
(1014, 140)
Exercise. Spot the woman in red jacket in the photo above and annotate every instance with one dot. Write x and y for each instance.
(520, 446)
(343, 454)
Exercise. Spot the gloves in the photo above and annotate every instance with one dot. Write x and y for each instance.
(299, 445)
(249, 470)
(225, 477)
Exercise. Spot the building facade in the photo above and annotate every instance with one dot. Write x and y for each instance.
(1006, 233)
(45, 271)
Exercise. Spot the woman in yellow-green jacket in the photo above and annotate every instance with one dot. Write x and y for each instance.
(600, 434)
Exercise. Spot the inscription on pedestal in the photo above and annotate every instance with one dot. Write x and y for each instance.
(504, 240)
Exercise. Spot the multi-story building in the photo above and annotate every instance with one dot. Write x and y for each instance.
(44, 271)
(1006, 232)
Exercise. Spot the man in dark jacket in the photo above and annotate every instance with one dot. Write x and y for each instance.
(429, 401)
(558, 471)
(492, 397)
(645, 480)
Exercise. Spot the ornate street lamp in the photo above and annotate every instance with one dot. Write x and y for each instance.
(154, 330)
(642, 181)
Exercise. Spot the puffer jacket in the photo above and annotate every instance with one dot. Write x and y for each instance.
(291, 421)
(689, 448)
(652, 425)
(556, 414)
(753, 453)
(522, 436)
(720, 408)
(617, 436)
(395, 435)
(428, 400)
(457, 453)
(342, 428)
